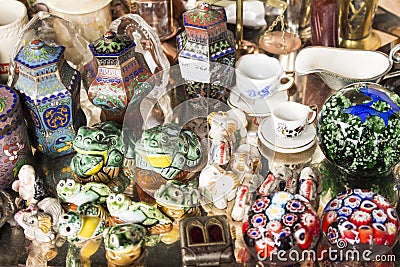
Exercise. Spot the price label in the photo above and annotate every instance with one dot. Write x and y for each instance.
(195, 70)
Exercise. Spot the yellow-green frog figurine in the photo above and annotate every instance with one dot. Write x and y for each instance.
(125, 244)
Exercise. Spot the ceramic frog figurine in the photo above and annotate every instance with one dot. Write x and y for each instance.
(128, 211)
(177, 195)
(87, 222)
(76, 193)
(168, 150)
(100, 152)
(84, 231)
(124, 243)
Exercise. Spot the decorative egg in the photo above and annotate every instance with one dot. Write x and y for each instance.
(280, 223)
(359, 129)
(361, 220)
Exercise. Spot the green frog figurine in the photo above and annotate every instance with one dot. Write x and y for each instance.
(76, 193)
(124, 244)
(142, 213)
(169, 150)
(84, 231)
(99, 153)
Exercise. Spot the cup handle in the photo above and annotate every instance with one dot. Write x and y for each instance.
(289, 82)
(314, 111)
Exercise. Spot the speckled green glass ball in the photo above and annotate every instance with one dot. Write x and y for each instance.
(358, 129)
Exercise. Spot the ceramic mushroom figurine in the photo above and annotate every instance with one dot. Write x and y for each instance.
(28, 186)
(124, 244)
(100, 153)
(128, 211)
(40, 224)
(245, 163)
(310, 185)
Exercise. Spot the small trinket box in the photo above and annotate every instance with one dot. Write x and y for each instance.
(206, 240)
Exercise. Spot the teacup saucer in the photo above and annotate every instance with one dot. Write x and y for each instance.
(256, 107)
(285, 145)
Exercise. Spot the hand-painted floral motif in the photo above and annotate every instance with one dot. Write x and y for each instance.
(49, 87)
(121, 76)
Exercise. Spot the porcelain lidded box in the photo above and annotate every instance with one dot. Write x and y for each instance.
(121, 75)
(50, 89)
(205, 39)
(359, 129)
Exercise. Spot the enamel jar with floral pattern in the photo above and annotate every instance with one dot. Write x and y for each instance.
(50, 96)
(359, 129)
(14, 146)
(121, 75)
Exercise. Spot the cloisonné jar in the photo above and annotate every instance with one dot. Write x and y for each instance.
(14, 146)
(50, 89)
(359, 129)
(121, 75)
(205, 39)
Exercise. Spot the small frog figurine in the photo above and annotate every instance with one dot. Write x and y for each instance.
(99, 153)
(142, 213)
(124, 244)
(169, 150)
(76, 193)
(83, 229)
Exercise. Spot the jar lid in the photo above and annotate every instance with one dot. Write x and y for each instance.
(204, 16)
(111, 44)
(37, 53)
(9, 108)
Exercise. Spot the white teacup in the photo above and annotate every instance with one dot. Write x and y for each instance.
(259, 76)
(290, 119)
(13, 16)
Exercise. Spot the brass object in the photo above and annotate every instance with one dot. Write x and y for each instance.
(279, 42)
(355, 24)
(206, 241)
(243, 47)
